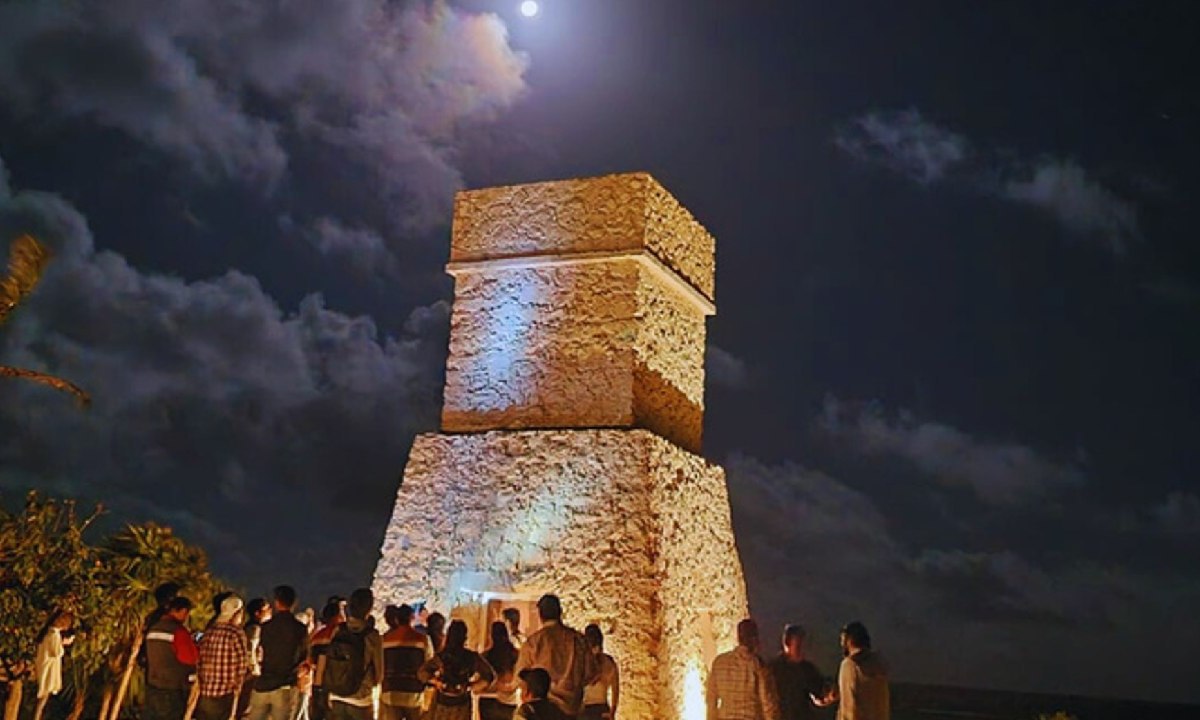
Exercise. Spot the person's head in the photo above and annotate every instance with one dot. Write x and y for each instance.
(747, 634)
(499, 635)
(218, 599)
(284, 597)
(435, 623)
(258, 609)
(331, 614)
(855, 637)
(230, 609)
(549, 608)
(421, 612)
(361, 602)
(391, 616)
(63, 620)
(535, 683)
(793, 641)
(456, 635)
(512, 618)
(165, 593)
(595, 638)
(178, 608)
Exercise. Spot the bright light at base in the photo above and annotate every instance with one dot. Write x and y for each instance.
(694, 705)
(529, 8)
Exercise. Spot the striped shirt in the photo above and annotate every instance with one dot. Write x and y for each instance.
(224, 660)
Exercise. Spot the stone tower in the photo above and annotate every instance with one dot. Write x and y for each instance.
(573, 410)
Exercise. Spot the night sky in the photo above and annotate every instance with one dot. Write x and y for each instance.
(956, 363)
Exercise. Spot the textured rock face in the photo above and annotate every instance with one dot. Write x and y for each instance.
(577, 369)
(632, 533)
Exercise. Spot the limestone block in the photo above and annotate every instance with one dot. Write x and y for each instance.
(599, 343)
(591, 215)
(632, 532)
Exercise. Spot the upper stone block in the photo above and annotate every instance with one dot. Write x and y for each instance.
(578, 304)
(590, 215)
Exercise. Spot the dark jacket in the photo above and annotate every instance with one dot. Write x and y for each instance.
(170, 655)
(284, 643)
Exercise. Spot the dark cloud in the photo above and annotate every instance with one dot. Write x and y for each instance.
(365, 89)
(725, 369)
(251, 429)
(819, 552)
(996, 472)
(363, 250)
(1179, 514)
(928, 153)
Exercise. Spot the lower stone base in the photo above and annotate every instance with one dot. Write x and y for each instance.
(632, 532)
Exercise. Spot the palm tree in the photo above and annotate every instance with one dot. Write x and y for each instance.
(27, 260)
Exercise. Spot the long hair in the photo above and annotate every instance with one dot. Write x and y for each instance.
(456, 637)
(53, 618)
(502, 655)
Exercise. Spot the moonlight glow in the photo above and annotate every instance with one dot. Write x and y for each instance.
(529, 8)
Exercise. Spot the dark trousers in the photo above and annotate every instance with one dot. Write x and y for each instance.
(318, 704)
(219, 707)
(400, 712)
(162, 704)
(493, 709)
(346, 711)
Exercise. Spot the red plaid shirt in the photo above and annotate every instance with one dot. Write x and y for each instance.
(224, 660)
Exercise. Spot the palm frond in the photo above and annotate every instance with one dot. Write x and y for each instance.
(55, 382)
(27, 260)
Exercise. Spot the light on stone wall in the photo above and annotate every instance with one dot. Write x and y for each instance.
(695, 706)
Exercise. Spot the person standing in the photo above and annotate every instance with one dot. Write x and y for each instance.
(224, 661)
(799, 683)
(740, 686)
(499, 701)
(332, 617)
(863, 691)
(563, 653)
(404, 652)
(354, 662)
(512, 619)
(600, 697)
(171, 657)
(258, 611)
(454, 673)
(48, 662)
(283, 641)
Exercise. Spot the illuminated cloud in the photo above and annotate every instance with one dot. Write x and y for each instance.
(930, 154)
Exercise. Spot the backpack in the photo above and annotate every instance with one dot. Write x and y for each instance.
(345, 662)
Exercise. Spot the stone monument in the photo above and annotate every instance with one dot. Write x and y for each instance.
(573, 410)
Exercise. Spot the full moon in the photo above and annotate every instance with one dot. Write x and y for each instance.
(529, 8)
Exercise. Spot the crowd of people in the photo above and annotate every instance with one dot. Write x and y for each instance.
(263, 660)
(266, 661)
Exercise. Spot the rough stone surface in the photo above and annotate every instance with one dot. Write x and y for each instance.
(603, 214)
(632, 532)
(606, 343)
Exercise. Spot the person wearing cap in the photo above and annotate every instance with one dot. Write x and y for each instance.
(798, 681)
(535, 689)
(740, 686)
(224, 661)
(170, 661)
(562, 652)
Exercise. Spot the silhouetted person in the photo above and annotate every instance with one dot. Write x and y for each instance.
(512, 619)
(563, 653)
(284, 643)
(258, 611)
(797, 680)
(170, 660)
(499, 701)
(535, 689)
(740, 686)
(354, 663)
(454, 673)
(600, 697)
(435, 628)
(404, 652)
(863, 692)
(332, 617)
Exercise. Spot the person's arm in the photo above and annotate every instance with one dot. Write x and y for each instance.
(485, 672)
(616, 686)
(429, 671)
(524, 659)
(185, 648)
(768, 695)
